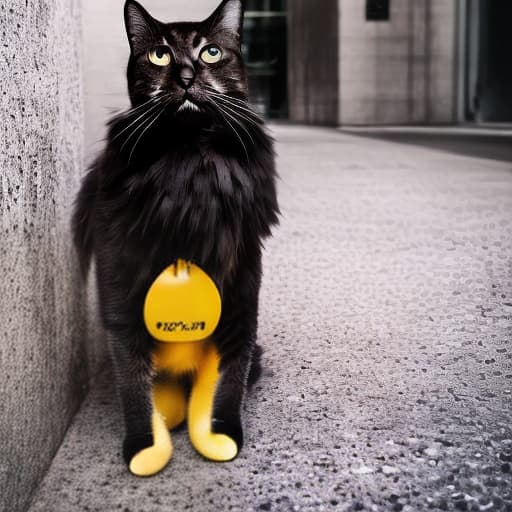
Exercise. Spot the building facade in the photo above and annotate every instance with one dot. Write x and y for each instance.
(391, 65)
(337, 62)
(378, 62)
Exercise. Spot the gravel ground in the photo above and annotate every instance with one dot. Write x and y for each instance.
(386, 320)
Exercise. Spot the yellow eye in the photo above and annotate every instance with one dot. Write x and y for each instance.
(211, 55)
(160, 56)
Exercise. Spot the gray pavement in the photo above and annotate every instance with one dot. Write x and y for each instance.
(386, 318)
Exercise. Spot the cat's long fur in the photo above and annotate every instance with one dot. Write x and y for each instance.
(199, 186)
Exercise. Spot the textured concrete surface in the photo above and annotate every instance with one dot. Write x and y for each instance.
(43, 357)
(386, 318)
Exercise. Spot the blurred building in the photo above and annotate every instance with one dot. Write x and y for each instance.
(335, 62)
(374, 62)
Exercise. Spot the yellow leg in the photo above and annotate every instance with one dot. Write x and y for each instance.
(170, 401)
(217, 447)
(153, 459)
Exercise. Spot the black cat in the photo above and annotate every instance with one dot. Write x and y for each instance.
(187, 173)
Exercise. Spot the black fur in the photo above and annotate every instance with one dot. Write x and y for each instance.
(179, 183)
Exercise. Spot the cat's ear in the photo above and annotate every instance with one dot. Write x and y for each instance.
(140, 26)
(228, 16)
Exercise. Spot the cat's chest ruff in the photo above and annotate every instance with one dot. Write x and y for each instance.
(196, 193)
(203, 175)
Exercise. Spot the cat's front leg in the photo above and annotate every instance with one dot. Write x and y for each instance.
(147, 447)
(214, 409)
(216, 447)
(229, 396)
(215, 425)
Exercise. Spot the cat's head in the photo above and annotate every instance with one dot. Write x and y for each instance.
(185, 64)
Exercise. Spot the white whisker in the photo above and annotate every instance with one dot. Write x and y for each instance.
(236, 121)
(130, 112)
(222, 113)
(154, 119)
(235, 102)
(146, 112)
(234, 110)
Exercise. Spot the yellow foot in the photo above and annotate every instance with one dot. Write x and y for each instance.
(153, 459)
(170, 401)
(216, 447)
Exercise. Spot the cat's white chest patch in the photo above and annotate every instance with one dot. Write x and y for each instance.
(188, 105)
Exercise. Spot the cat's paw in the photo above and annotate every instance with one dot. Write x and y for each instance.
(218, 443)
(230, 427)
(216, 447)
(153, 458)
(150, 461)
(135, 444)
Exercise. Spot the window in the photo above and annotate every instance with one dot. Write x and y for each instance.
(377, 10)
(265, 51)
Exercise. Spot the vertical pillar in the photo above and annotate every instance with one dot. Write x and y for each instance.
(43, 354)
(313, 61)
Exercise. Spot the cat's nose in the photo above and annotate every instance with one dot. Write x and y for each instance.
(187, 77)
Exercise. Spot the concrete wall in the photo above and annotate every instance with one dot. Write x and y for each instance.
(43, 354)
(106, 54)
(313, 61)
(401, 71)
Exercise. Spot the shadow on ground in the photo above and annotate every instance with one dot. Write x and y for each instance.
(493, 147)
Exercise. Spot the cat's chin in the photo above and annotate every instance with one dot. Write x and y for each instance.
(190, 115)
(188, 107)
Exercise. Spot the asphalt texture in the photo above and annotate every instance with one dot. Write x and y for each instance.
(386, 318)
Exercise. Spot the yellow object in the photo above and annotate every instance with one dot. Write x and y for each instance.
(170, 401)
(183, 304)
(153, 459)
(170, 405)
(178, 358)
(182, 309)
(217, 447)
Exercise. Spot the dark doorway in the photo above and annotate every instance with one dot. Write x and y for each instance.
(265, 54)
(488, 70)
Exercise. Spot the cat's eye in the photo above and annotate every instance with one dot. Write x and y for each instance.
(211, 55)
(160, 56)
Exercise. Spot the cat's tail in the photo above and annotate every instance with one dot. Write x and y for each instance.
(81, 222)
